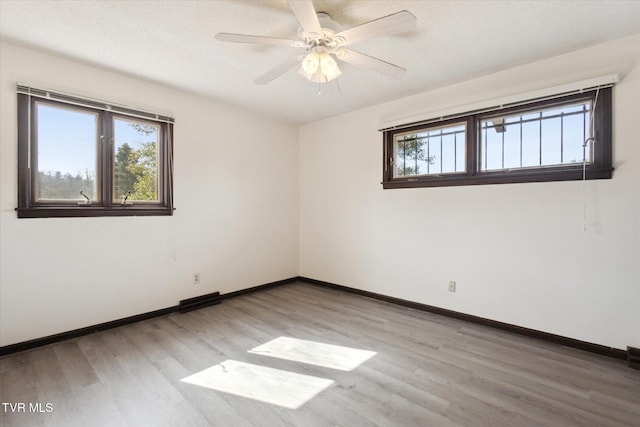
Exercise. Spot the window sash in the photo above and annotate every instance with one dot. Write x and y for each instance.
(541, 122)
(424, 152)
(118, 197)
(38, 145)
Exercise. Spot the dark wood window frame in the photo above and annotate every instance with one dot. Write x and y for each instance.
(600, 167)
(29, 207)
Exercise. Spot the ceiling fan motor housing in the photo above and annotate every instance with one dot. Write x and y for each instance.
(326, 40)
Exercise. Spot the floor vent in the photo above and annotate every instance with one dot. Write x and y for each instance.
(633, 357)
(199, 302)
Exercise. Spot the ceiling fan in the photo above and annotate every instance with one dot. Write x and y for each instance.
(322, 44)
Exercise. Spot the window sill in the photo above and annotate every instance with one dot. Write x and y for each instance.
(91, 211)
(501, 177)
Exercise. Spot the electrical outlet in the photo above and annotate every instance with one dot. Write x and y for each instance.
(452, 286)
(196, 278)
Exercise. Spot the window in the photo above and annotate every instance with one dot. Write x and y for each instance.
(432, 151)
(559, 139)
(78, 157)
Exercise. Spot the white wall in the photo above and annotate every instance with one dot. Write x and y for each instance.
(517, 251)
(236, 223)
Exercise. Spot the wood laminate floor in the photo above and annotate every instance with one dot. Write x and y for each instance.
(427, 370)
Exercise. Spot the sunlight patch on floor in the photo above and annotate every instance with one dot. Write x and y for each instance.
(275, 386)
(314, 353)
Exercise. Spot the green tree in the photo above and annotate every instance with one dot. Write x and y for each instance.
(124, 179)
(143, 129)
(136, 169)
(409, 151)
(144, 167)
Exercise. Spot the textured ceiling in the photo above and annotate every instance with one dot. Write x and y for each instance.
(172, 42)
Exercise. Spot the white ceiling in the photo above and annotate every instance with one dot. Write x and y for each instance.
(172, 42)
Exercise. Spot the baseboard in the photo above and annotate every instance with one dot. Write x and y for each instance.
(63, 336)
(546, 336)
(633, 357)
(558, 339)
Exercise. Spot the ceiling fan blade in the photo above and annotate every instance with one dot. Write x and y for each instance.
(306, 15)
(276, 72)
(390, 24)
(361, 60)
(246, 38)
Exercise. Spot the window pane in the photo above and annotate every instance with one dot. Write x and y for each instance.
(531, 143)
(67, 153)
(432, 151)
(512, 146)
(492, 146)
(549, 137)
(575, 132)
(135, 165)
(551, 144)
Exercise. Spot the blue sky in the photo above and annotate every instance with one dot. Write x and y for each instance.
(67, 139)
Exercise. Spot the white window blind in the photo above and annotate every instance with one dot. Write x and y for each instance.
(505, 102)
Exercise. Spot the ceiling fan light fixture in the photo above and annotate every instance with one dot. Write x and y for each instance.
(319, 67)
(321, 38)
(316, 77)
(329, 66)
(311, 62)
